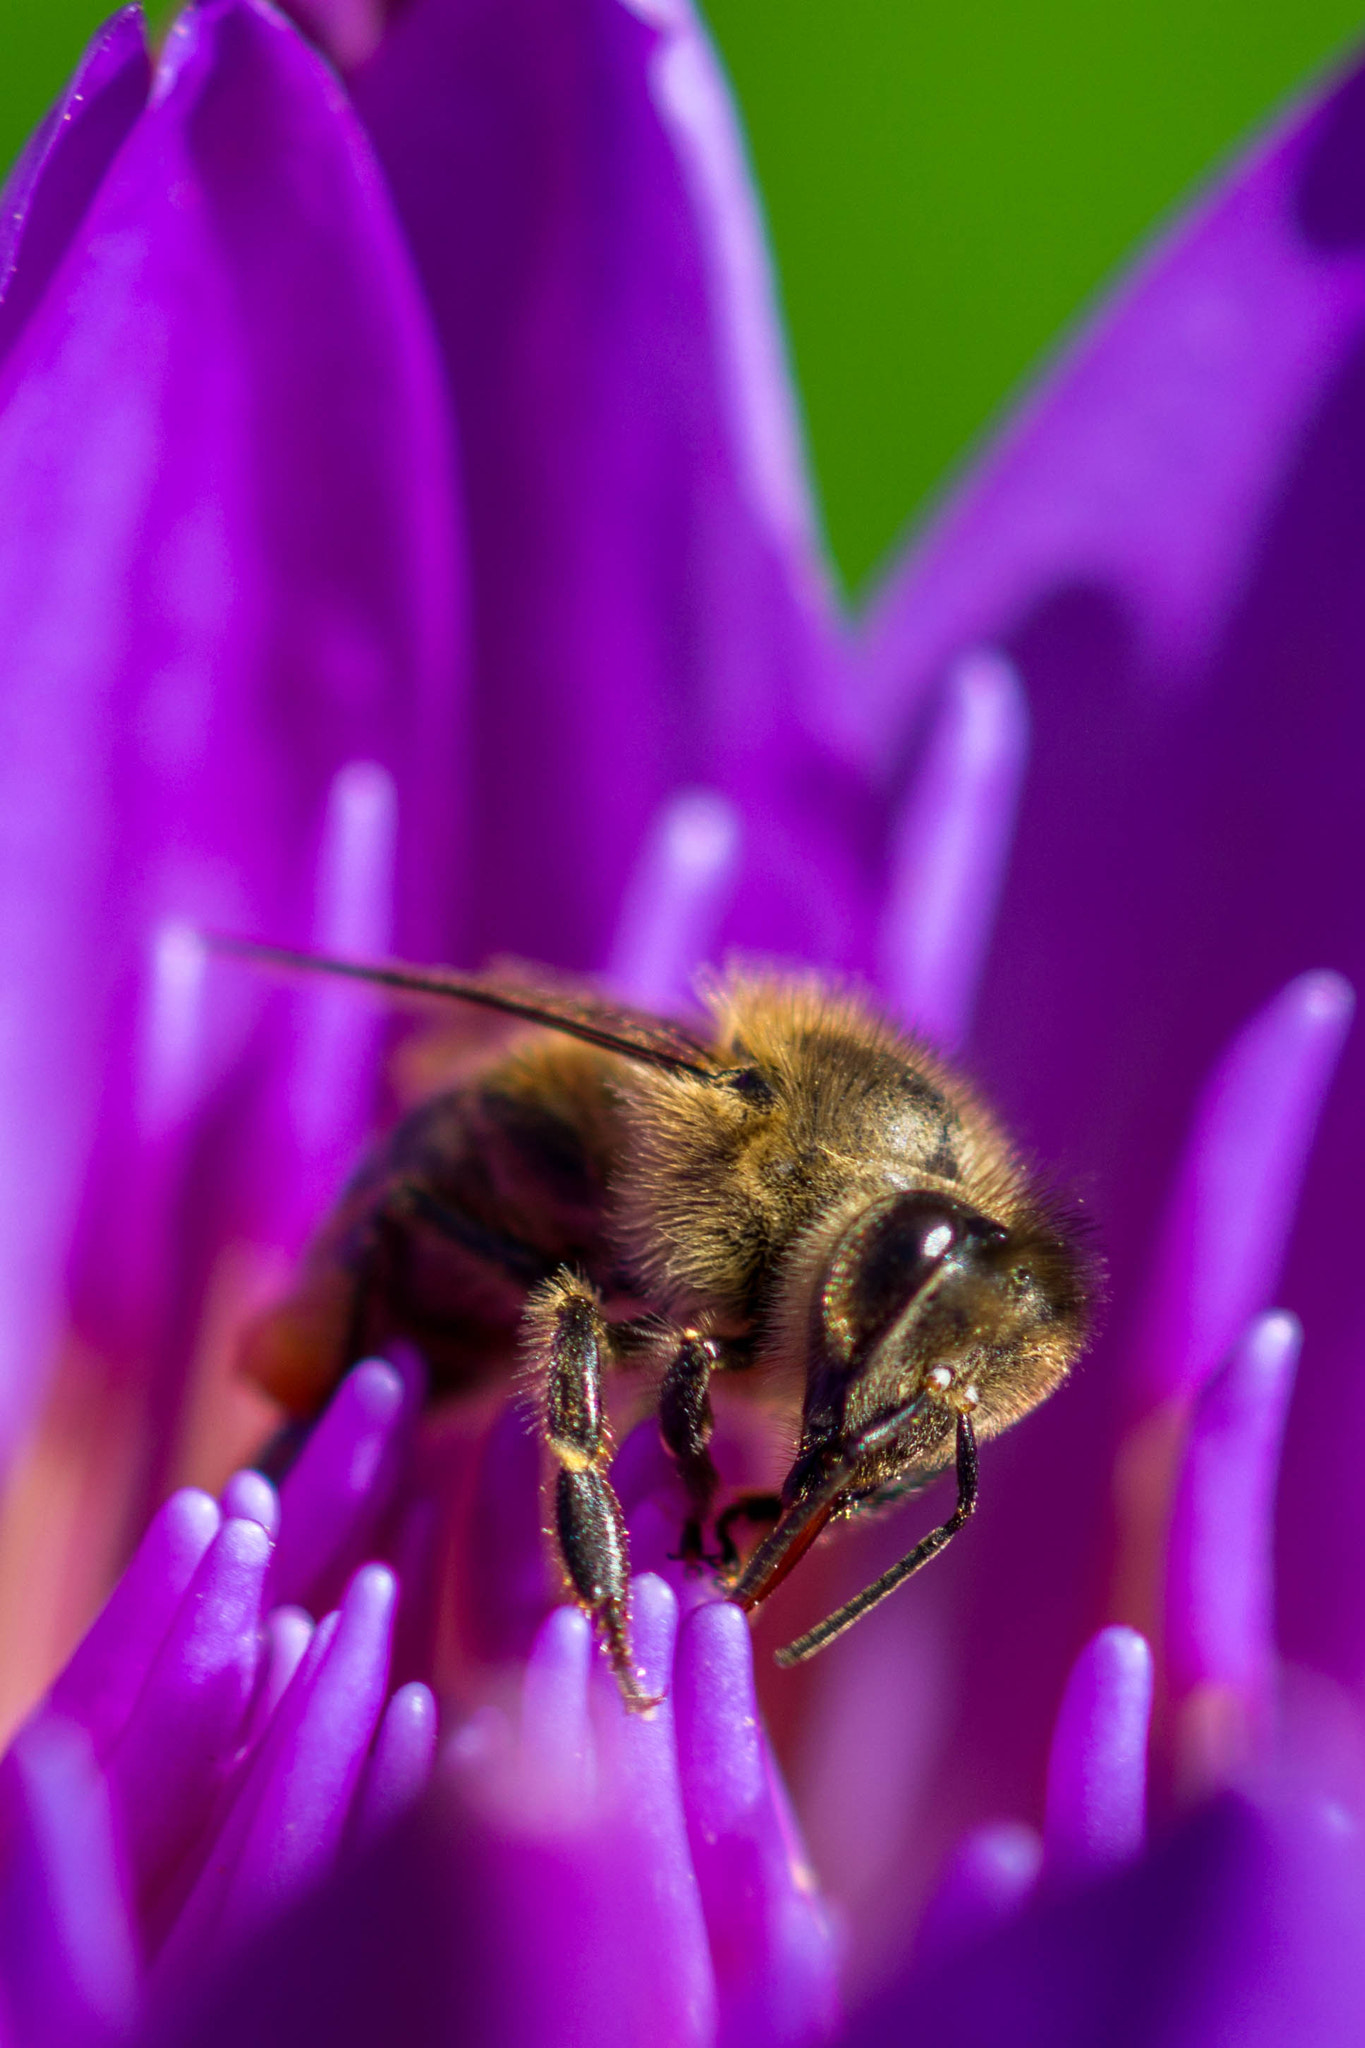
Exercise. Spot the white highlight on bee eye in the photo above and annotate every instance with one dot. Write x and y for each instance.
(941, 1377)
(950, 846)
(676, 897)
(937, 1241)
(172, 1027)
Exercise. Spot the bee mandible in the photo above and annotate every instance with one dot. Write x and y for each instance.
(798, 1194)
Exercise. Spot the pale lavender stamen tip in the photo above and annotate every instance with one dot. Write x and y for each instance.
(1236, 1191)
(171, 1757)
(400, 1763)
(950, 848)
(676, 898)
(100, 1684)
(287, 1632)
(172, 1028)
(201, 1919)
(341, 1483)
(336, 1035)
(1219, 1587)
(355, 868)
(557, 1757)
(1097, 1768)
(989, 1875)
(297, 1805)
(478, 1750)
(771, 1943)
(411, 1368)
(249, 1497)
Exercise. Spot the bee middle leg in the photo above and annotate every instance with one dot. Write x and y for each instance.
(568, 1342)
(685, 1424)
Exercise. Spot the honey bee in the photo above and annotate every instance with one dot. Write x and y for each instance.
(798, 1195)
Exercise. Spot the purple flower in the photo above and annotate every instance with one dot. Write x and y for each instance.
(407, 547)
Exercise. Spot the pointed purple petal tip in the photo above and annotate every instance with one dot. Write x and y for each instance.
(987, 1878)
(1097, 1770)
(1232, 1208)
(1219, 1624)
(950, 848)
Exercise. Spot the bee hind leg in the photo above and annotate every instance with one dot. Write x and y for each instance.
(568, 1341)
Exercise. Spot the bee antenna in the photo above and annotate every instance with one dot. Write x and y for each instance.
(834, 1625)
(632, 1034)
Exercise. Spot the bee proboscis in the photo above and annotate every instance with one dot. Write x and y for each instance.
(797, 1192)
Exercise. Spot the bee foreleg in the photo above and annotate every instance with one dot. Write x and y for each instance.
(929, 1546)
(685, 1424)
(567, 1336)
(760, 1509)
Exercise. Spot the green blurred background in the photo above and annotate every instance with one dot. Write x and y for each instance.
(947, 187)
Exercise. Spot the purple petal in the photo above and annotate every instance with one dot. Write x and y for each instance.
(949, 849)
(336, 1041)
(1227, 1228)
(292, 1811)
(882, 1714)
(399, 1765)
(654, 1503)
(989, 1875)
(302, 1810)
(1169, 548)
(410, 1942)
(67, 1948)
(1244, 1928)
(508, 1588)
(196, 1928)
(348, 30)
(771, 1945)
(653, 1888)
(48, 192)
(1145, 463)
(649, 603)
(558, 1760)
(1230, 1213)
(675, 899)
(1219, 1616)
(341, 1485)
(174, 1754)
(414, 1551)
(106, 1673)
(1097, 1772)
(235, 348)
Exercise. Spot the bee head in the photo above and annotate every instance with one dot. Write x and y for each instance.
(925, 1303)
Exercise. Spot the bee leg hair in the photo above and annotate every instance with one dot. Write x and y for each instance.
(685, 1424)
(567, 1336)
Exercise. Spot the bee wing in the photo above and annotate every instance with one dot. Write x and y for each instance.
(635, 1034)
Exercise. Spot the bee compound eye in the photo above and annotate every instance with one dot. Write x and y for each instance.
(884, 1260)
